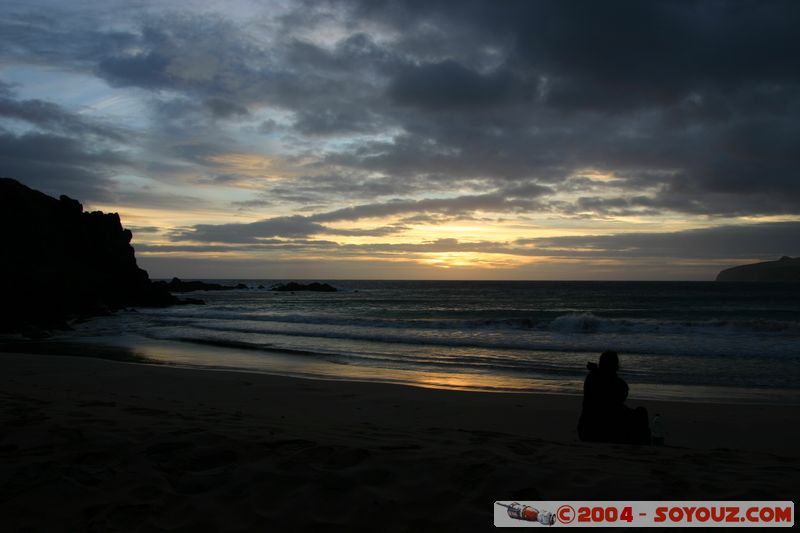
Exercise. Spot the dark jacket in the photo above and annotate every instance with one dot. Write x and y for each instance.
(604, 412)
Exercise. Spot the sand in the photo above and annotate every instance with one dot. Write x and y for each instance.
(97, 445)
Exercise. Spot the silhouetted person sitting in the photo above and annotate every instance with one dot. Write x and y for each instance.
(605, 417)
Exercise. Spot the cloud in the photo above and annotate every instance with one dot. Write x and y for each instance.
(59, 151)
(522, 199)
(292, 226)
(764, 241)
(429, 109)
(144, 229)
(224, 108)
(59, 165)
(52, 117)
(448, 85)
(322, 188)
(708, 249)
(332, 120)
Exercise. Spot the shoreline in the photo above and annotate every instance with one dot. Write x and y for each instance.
(106, 445)
(188, 354)
(772, 437)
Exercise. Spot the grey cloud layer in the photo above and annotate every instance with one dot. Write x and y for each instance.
(695, 106)
(510, 200)
(733, 242)
(58, 151)
(50, 116)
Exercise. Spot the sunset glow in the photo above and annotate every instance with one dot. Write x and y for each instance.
(295, 137)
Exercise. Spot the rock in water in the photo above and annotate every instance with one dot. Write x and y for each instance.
(60, 262)
(294, 286)
(178, 285)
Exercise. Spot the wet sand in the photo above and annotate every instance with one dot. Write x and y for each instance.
(97, 445)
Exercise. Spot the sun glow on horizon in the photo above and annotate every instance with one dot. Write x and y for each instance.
(448, 260)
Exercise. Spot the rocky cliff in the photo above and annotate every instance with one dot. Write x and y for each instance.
(59, 262)
(786, 269)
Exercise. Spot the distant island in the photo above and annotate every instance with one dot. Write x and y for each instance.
(785, 269)
(60, 263)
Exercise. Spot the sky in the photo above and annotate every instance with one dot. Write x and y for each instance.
(415, 139)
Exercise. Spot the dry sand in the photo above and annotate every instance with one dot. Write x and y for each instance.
(97, 445)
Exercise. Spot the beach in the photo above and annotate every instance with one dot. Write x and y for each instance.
(91, 444)
(381, 266)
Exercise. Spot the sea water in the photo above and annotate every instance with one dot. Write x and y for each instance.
(702, 341)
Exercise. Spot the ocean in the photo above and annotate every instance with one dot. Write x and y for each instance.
(699, 341)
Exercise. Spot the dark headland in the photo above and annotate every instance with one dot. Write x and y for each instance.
(59, 262)
(785, 269)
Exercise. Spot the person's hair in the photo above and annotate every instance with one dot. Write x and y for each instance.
(609, 361)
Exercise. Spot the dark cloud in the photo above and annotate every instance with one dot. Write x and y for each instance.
(58, 151)
(348, 186)
(498, 201)
(224, 108)
(144, 229)
(708, 91)
(50, 34)
(756, 241)
(335, 121)
(447, 85)
(250, 204)
(59, 165)
(301, 226)
(693, 106)
(49, 116)
(645, 51)
(263, 245)
(142, 70)
(709, 246)
(293, 226)
(6, 89)
(201, 55)
(156, 199)
(269, 126)
(657, 52)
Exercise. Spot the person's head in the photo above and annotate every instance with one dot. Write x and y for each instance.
(609, 361)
